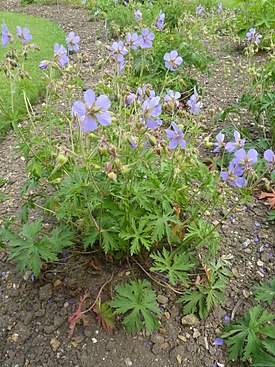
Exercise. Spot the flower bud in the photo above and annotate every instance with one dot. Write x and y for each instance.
(112, 176)
(61, 159)
(108, 167)
(118, 164)
(152, 140)
(112, 150)
(102, 150)
(125, 169)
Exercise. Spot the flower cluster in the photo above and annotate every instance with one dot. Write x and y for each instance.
(72, 41)
(194, 103)
(253, 36)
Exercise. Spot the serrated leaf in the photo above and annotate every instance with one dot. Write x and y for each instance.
(105, 315)
(265, 292)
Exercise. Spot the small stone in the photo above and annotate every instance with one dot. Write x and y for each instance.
(167, 315)
(191, 320)
(182, 338)
(45, 292)
(196, 333)
(110, 346)
(235, 272)
(57, 283)
(94, 340)
(156, 349)
(165, 346)
(260, 274)
(162, 330)
(246, 293)
(55, 344)
(14, 337)
(66, 305)
(128, 362)
(179, 358)
(157, 339)
(162, 299)
(260, 263)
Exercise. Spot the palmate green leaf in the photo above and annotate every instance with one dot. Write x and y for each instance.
(138, 302)
(175, 266)
(138, 236)
(161, 224)
(193, 301)
(262, 359)
(265, 292)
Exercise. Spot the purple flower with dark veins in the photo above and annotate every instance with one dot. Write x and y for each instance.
(151, 110)
(24, 34)
(93, 111)
(132, 40)
(172, 98)
(233, 176)
(60, 54)
(232, 146)
(253, 36)
(118, 50)
(172, 60)
(146, 38)
(176, 137)
(199, 10)
(72, 41)
(6, 36)
(218, 341)
(244, 159)
(194, 103)
(138, 14)
(269, 156)
(220, 142)
(160, 20)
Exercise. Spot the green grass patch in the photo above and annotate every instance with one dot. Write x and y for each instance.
(45, 33)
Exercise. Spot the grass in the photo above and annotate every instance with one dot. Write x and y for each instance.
(45, 33)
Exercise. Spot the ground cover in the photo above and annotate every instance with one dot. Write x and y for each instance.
(44, 34)
(245, 241)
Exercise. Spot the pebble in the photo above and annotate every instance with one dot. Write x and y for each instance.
(191, 320)
(260, 263)
(196, 333)
(235, 272)
(182, 338)
(45, 292)
(128, 362)
(246, 293)
(55, 344)
(157, 339)
(162, 299)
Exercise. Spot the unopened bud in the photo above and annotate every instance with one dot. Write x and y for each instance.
(125, 169)
(118, 164)
(112, 150)
(61, 159)
(112, 176)
(108, 167)
(152, 140)
(102, 150)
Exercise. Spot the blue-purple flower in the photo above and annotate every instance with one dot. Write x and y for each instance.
(72, 41)
(92, 111)
(118, 50)
(269, 156)
(132, 40)
(160, 20)
(199, 10)
(130, 98)
(253, 36)
(172, 98)
(6, 36)
(151, 109)
(244, 159)
(146, 38)
(138, 14)
(172, 60)
(194, 103)
(233, 176)
(232, 146)
(44, 64)
(219, 8)
(220, 142)
(176, 137)
(218, 341)
(144, 92)
(60, 54)
(23, 34)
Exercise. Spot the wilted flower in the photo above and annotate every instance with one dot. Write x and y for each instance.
(60, 53)
(72, 41)
(220, 142)
(253, 36)
(146, 38)
(220, 8)
(119, 50)
(6, 36)
(199, 10)
(160, 21)
(172, 97)
(138, 14)
(227, 319)
(245, 159)
(130, 98)
(24, 34)
(151, 110)
(93, 111)
(176, 137)
(194, 103)
(172, 60)
(44, 64)
(132, 40)
(234, 145)
(233, 176)
(269, 156)
(218, 341)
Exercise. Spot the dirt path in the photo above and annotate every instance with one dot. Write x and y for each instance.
(33, 315)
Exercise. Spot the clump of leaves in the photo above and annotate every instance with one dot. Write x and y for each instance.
(105, 315)
(251, 336)
(137, 302)
(31, 245)
(265, 292)
(175, 267)
(208, 290)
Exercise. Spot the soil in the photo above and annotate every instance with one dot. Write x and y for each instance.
(34, 329)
